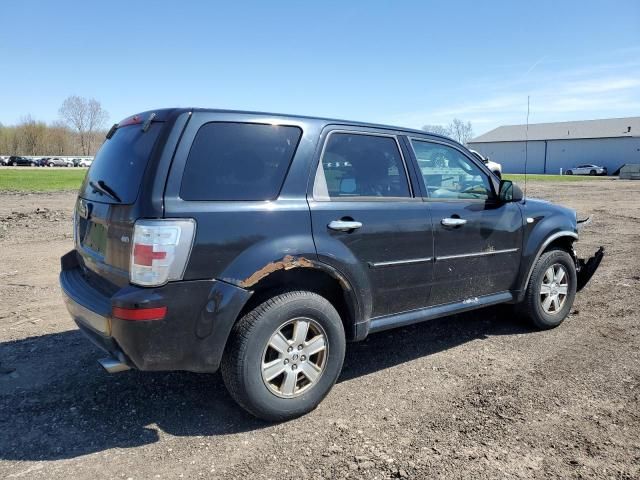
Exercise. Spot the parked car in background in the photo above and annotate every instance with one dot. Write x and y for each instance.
(260, 243)
(42, 162)
(587, 169)
(16, 161)
(495, 167)
(4, 161)
(85, 162)
(59, 162)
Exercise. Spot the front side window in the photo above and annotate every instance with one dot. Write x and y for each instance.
(356, 165)
(448, 174)
(238, 161)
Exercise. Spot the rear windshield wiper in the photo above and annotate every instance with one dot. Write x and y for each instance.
(104, 189)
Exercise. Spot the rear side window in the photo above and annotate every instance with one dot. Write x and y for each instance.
(120, 163)
(238, 161)
(356, 165)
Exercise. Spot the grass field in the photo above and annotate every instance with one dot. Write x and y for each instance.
(551, 178)
(26, 179)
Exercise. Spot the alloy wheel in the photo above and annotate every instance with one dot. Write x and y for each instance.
(554, 289)
(295, 357)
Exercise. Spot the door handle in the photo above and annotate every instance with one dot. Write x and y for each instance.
(453, 222)
(344, 225)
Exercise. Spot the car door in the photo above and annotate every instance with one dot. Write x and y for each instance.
(368, 223)
(477, 237)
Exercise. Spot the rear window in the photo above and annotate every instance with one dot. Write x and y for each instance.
(120, 163)
(238, 161)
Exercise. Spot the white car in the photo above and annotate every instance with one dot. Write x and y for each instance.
(85, 162)
(495, 167)
(587, 169)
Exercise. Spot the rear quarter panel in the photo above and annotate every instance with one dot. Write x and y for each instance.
(236, 240)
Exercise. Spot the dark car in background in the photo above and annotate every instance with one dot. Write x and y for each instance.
(17, 161)
(261, 243)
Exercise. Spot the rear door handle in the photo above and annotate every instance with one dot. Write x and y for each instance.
(453, 222)
(344, 225)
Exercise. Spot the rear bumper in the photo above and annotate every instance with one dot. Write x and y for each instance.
(192, 335)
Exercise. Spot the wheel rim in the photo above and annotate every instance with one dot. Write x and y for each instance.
(295, 357)
(554, 289)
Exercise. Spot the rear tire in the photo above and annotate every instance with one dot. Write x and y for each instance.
(569, 172)
(545, 304)
(592, 172)
(256, 374)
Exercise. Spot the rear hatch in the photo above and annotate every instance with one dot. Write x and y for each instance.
(106, 206)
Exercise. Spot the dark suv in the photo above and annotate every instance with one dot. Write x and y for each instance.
(17, 161)
(261, 243)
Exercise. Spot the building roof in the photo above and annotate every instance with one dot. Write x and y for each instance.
(604, 128)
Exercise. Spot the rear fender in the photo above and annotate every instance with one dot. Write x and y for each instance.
(261, 260)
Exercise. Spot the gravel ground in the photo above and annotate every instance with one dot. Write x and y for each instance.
(479, 395)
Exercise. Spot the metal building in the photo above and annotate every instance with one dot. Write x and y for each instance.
(610, 142)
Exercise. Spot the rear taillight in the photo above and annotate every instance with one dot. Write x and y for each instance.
(160, 250)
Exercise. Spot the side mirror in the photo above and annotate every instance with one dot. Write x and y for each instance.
(509, 191)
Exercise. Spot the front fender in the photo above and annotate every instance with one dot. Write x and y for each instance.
(542, 228)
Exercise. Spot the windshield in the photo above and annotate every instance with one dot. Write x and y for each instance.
(119, 165)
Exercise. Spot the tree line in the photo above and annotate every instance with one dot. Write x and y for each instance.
(457, 129)
(80, 131)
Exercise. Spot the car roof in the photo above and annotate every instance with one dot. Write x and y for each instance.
(163, 113)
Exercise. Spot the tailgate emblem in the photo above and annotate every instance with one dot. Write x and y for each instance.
(124, 239)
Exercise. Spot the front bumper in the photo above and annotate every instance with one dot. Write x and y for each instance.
(192, 336)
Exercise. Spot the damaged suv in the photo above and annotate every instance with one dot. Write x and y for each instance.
(261, 243)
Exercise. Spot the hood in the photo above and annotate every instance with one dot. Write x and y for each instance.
(535, 207)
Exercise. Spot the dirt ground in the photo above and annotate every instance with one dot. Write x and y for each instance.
(479, 395)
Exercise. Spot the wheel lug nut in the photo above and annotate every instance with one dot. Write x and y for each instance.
(299, 347)
(303, 358)
(294, 366)
(290, 349)
(286, 360)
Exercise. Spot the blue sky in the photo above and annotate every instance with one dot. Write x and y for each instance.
(404, 63)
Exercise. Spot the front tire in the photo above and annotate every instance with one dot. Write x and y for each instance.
(551, 290)
(284, 356)
(569, 172)
(592, 172)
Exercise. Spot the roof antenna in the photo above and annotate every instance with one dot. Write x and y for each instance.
(526, 151)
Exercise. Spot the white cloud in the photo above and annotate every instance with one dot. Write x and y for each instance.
(596, 91)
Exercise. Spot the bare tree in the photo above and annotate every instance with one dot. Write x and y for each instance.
(437, 129)
(59, 139)
(86, 116)
(460, 131)
(31, 135)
